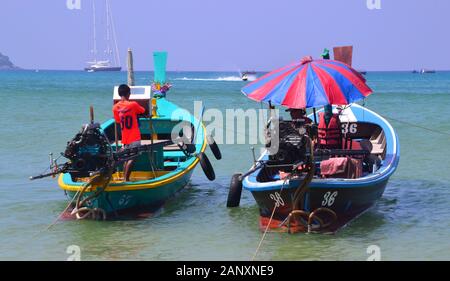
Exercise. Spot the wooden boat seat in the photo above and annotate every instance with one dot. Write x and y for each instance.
(323, 154)
(145, 142)
(170, 147)
(378, 143)
(377, 137)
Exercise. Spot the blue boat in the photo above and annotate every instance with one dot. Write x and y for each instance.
(326, 204)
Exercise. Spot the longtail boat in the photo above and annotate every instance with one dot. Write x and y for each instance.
(328, 203)
(321, 171)
(173, 144)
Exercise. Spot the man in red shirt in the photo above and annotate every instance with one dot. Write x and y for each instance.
(126, 114)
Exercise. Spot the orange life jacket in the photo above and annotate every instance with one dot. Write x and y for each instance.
(330, 136)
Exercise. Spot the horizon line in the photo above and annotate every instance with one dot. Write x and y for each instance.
(187, 70)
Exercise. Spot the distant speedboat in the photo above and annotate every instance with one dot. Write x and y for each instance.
(111, 63)
(249, 76)
(363, 72)
(424, 71)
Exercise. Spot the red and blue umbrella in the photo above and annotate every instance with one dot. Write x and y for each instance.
(310, 83)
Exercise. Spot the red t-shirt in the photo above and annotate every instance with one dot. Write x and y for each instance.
(125, 113)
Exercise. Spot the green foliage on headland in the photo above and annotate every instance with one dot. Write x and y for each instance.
(6, 64)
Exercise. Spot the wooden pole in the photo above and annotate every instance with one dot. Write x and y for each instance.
(91, 113)
(130, 64)
(131, 82)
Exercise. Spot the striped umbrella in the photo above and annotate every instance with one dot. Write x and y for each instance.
(310, 83)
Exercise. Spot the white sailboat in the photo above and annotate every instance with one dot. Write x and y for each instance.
(112, 61)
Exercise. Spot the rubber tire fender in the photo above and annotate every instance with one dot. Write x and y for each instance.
(235, 192)
(214, 147)
(206, 166)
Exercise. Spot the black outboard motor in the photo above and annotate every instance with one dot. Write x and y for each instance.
(88, 152)
(292, 146)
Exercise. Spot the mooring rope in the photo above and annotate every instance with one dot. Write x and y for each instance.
(60, 215)
(63, 212)
(75, 197)
(89, 211)
(301, 190)
(410, 124)
(418, 126)
(277, 204)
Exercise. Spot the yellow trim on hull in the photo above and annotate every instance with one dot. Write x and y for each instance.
(131, 186)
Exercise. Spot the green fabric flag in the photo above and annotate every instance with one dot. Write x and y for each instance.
(160, 61)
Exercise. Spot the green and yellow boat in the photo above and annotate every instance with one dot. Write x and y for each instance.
(173, 144)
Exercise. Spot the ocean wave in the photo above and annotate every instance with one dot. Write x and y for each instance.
(226, 78)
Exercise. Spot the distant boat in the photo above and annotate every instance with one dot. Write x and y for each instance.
(249, 76)
(363, 72)
(102, 66)
(111, 63)
(423, 71)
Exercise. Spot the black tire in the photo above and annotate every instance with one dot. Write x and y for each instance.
(206, 166)
(234, 194)
(214, 147)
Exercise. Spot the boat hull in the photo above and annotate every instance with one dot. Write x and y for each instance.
(134, 202)
(345, 201)
(103, 69)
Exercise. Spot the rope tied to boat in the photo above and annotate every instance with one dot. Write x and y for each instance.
(310, 220)
(81, 211)
(95, 213)
(276, 206)
(75, 197)
(298, 196)
(314, 216)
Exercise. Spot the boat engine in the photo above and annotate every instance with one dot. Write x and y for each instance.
(89, 152)
(292, 142)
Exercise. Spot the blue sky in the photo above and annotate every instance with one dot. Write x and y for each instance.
(231, 34)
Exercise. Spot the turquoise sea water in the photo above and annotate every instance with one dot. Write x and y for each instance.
(42, 111)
